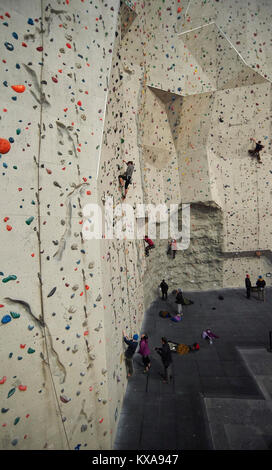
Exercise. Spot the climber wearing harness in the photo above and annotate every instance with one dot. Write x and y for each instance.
(126, 178)
(256, 152)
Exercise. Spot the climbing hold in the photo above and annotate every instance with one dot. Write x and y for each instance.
(15, 315)
(15, 35)
(4, 146)
(30, 21)
(11, 392)
(2, 381)
(18, 88)
(29, 220)
(64, 399)
(16, 421)
(40, 48)
(9, 46)
(6, 319)
(4, 410)
(12, 277)
(52, 292)
(22, 388)
(30, 351)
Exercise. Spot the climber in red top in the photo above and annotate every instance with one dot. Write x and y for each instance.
(150, 245)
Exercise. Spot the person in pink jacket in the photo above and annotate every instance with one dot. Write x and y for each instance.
(144, 351)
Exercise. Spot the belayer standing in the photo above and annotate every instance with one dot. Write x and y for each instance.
(166, 357)
(164, 289)
(145, 352)
(248, 285)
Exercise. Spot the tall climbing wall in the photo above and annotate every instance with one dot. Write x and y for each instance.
(55, 64)
(179, 87)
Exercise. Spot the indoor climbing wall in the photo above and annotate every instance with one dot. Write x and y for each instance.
(178, 87)
(56, 61)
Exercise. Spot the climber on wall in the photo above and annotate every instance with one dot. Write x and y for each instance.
(150, 245)
(126, 178)
(256, 152)
(130, 351)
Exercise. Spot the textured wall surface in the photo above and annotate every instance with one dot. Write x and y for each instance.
(179, 87)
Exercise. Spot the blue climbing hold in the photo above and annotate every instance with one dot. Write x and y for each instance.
(9, 46)
(30, 21)
(15, 35)
(6, 319)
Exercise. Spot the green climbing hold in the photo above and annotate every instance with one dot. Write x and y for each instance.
(11, 392)
(30, 351)
(29, 220)
(16, 421)
(15, 315)
(12, 277)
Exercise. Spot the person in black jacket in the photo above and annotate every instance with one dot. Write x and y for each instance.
(166, 357)
(248, 285)
(256, 152)
(179, 301)
(164, 289)
(260, 287)
(132, 346)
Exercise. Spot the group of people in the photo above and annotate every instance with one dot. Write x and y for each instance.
(179, 299)
(260, 285)
(164, 351)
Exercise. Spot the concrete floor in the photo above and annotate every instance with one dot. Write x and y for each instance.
(220, 396)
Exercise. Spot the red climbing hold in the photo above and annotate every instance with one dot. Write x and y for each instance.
(55, 80)
(2, 381)
(9, 228)
(4, 146)
(24, 44)
(68, 45)
(40, 48)
(22, 388)
(18, 88)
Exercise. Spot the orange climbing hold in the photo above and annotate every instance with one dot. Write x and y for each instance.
(18, 88)
(4, 146)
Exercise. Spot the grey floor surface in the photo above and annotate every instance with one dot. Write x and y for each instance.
(220, 397)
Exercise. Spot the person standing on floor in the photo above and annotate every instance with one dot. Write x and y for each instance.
(145, 352)
(164, 289)
(248, 285)
(166, 357)
(179, 301)
(132, 346)
(260, 287)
